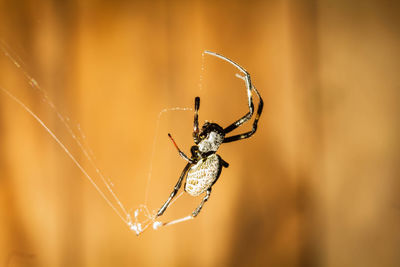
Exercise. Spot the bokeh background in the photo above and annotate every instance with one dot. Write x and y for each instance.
(317, 185)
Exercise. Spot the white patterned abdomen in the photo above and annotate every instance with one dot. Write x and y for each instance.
(202, 175)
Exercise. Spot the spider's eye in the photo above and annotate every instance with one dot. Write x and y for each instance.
(202, 136)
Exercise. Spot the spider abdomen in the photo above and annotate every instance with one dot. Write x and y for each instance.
(203, 174)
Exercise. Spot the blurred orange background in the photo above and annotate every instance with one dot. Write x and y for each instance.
(317, 185)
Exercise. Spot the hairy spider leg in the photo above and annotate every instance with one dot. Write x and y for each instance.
(183, 155)
(176, 188)
(189, 217)
(206, 197)
(249, 87)
(196, 120)
(227, 60)
(254, 129)
(249, 114)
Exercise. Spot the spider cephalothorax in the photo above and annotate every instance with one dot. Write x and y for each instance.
(210, 137)
(204, 166)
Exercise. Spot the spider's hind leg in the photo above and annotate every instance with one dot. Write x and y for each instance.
(198, 209)
(224, 163)
(173, 193)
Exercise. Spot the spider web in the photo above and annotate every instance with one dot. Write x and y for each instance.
(141, 218)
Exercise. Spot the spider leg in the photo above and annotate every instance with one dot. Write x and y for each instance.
(198, 209)
(249, 114)
(249, 87)
(196, 120)
(254, 129)
(227, 60)
(183, 155)
(173, 193)
(224, 163)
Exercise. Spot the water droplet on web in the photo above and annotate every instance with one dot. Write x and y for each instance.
(142, 218)
(157, 225)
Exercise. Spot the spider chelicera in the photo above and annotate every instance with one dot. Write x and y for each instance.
(204, 166)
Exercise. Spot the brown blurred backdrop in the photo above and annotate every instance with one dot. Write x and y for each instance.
(317, 185)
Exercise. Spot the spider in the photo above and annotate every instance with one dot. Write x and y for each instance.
(204, 166)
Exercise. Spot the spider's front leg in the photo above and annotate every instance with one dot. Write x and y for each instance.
(249, 87)
(196, 120)
(183, 155)
(176, 188)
